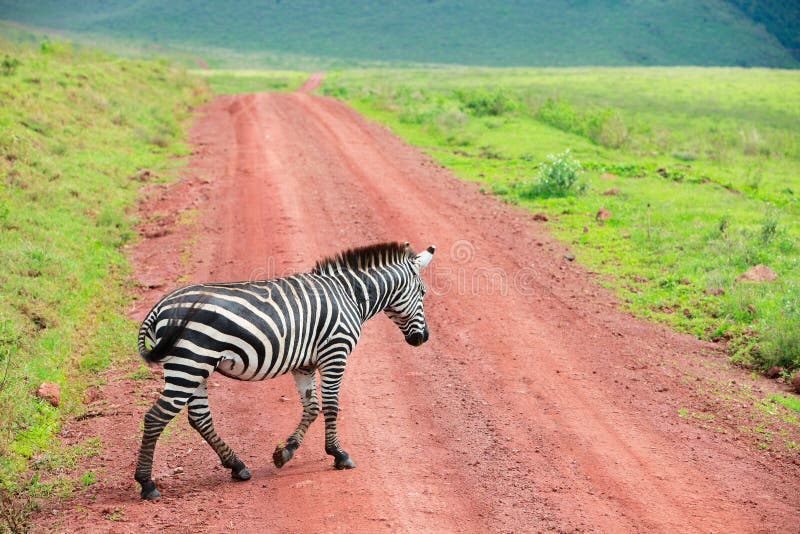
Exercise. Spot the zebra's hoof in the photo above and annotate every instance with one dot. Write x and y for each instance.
(149, 491)
(281, 456)
(344, 463)
(241, 474)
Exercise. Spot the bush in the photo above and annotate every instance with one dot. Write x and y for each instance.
(604, 125)
(559, 114)
(481, 103)
(9, 65)
(557, 177)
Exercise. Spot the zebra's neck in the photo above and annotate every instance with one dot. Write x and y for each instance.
(371, 289)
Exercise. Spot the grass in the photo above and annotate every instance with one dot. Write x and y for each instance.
(76, 126)
(251, 81)
(699, 168)
(791, 402)
(469, 32)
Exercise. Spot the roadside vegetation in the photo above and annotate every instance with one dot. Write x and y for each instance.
(79, 133)
(251, 81)
(687, 178)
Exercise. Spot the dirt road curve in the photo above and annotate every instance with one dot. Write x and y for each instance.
(535, 406)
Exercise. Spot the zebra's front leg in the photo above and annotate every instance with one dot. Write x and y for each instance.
(307, 389)
(200, 419)
(331, 378)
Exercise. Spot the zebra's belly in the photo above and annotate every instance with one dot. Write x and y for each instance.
(233, 365)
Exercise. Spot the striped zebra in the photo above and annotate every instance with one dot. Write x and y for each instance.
(301, 324)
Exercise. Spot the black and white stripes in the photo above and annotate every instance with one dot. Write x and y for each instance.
(303, 324)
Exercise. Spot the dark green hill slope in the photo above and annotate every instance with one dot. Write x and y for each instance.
(470, 32)
(781, 18)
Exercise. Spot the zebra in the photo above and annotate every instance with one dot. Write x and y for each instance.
(299, 324)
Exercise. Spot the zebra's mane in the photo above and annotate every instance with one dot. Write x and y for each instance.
(362, 257)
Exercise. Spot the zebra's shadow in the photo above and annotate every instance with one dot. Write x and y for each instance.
(218, 480)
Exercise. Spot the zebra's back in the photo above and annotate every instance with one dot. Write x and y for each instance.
(252, 330)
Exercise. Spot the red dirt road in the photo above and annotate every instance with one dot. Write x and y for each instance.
(535, 406)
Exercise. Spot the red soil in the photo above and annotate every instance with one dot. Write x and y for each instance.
(536, 405)
(311, 83)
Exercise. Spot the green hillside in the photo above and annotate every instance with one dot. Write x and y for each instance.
(468, 32)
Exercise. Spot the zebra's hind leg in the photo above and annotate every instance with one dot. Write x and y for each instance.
(200, 419)
(307, 388)
(161, 413)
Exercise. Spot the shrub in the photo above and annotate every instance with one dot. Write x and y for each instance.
(558, 114)
(481, 103)
(603, 125)
(557, 177)
(9, 65)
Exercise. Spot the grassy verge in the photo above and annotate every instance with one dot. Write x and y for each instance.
(76, 129)
(252, 81)
(699, 170)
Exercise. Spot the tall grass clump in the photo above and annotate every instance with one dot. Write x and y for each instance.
(559, 176)
(603, 125)
(76, 127)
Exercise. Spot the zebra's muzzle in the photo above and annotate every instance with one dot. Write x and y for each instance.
(417, 338)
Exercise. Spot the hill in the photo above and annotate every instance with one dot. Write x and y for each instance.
(468, 32)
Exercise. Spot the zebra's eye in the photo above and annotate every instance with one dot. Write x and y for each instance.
(423, 289)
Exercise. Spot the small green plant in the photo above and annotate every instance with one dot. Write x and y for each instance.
(557, 177)
(140, 373)
(115, 515)
(88, 478)
(769, 227)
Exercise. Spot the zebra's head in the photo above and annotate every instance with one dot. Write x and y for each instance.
(405, 308)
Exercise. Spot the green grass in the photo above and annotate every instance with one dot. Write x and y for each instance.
(251, 81)
(705, 164)
(791, 402)
(467, 32)
(75, 128)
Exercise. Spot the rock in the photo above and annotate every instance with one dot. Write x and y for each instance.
(758, 273)
(611, 192)
(716, 291)
(641, 279)
(49, 391)
(177, 471)
(602, 214)
(608, 176)
(585, 229)
(774, 371)
(540, 217)
(569, 257)
(796, 382)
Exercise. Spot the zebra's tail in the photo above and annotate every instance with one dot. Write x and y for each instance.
(171, 334)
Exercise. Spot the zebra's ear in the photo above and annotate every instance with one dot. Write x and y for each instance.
(424, 258)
